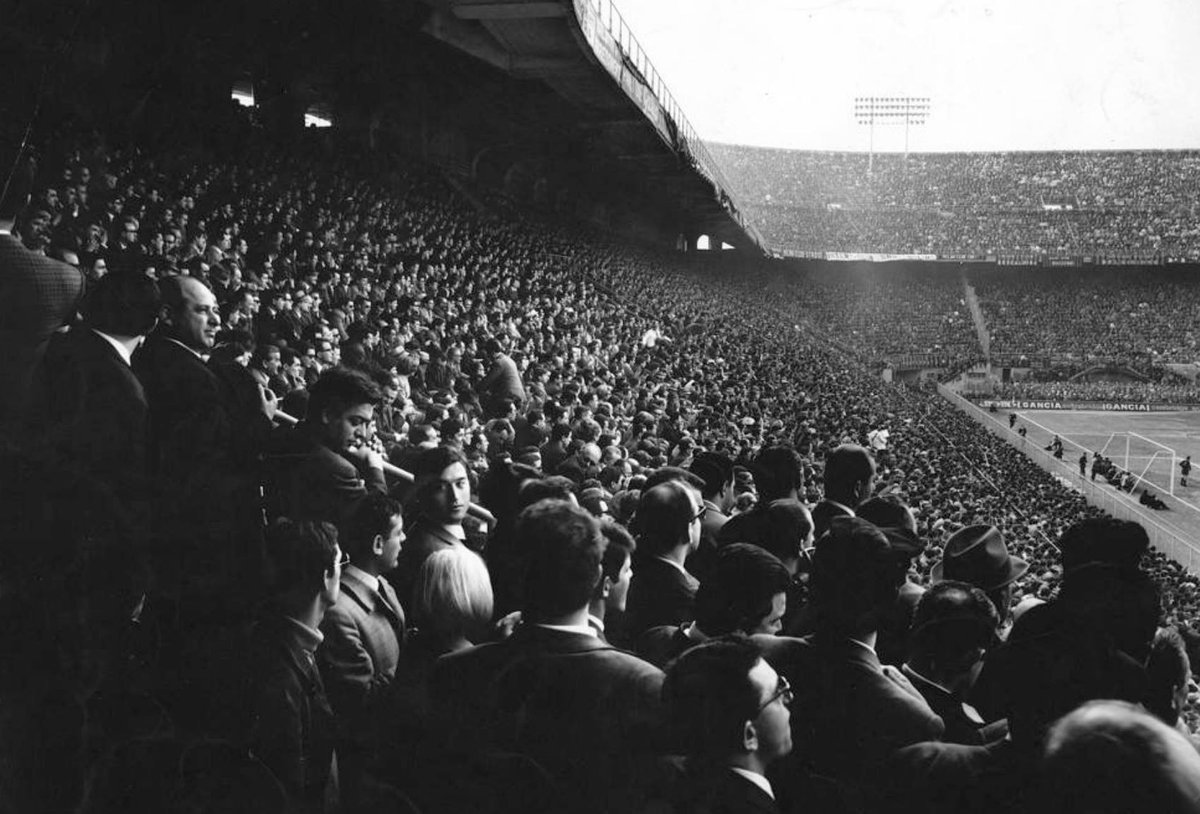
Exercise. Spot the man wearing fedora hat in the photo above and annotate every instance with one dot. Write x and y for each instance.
(977, 555)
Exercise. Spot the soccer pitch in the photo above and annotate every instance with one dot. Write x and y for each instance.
(1150, 445)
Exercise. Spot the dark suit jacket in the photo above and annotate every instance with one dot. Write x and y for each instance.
(720, 791)
(363, 639)
(92, 410)
(824, 512)
(951, 778)
(851, 712)
(659, 594)
(700, 562)
(660, 645)
(590, 713)
(190, 423)
(308, 480)
(37, 297)
(960, 728)
(292, 728)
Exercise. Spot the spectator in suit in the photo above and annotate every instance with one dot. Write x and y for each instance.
(1169, 677)
(730, 708)
(612, 591)
(896, 520)
(977, 555)
(583, 465)
(853, 712)
(554, 690)
(440, 499)
(321, 467)
(954, 626)
(1052, 662)
(291, 726)
(202, 441)
(716, 471)
(502, 382)
(668, 524)
(87, 398)
(554, 451)
(1109, 757)
(849, 480)
(1102, 580)
(778, 475)
(746, 593)
(37, 295)
(365, 628)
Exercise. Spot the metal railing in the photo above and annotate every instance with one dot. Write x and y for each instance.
(1171, 542)
(686, 136)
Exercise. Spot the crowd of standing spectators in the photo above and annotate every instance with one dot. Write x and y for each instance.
(336, 491)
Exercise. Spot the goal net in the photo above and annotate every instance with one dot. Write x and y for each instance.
(1155, 465)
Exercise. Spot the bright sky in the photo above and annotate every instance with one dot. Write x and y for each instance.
(1001, 74)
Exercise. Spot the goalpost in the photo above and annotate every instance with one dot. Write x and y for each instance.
(1150, 462)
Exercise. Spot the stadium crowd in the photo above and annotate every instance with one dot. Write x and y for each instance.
(336, 491)
(1144, 317)
(971, 203)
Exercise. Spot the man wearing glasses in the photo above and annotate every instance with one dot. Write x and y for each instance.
(731, 709)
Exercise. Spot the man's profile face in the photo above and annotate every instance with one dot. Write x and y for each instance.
(618, 595)
(451, 495)
(392, 543)
(773, 722)
(272, 362)
(346, 427)
(196, 322)
(772, 623)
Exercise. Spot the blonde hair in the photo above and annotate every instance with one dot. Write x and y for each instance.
(452, 595)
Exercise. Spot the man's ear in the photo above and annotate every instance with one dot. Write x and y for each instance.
(377, 544)
(606, 585)
(749, 737)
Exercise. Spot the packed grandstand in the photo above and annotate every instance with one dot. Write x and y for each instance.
(172, 552)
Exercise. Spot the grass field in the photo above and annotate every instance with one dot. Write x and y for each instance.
(1149, 456)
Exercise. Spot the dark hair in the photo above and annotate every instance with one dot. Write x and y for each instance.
(341, 387)
(299, 554)
(560, 431)
(845, 466)
(737, 592)
(777, 472)
(886, 512)
(564, 549)
(263, 351)
(1053, 661)
(715, 469)
(369, 516)
(1167, 669)
(952, 622)
(674, 473)
(787, 527)
(855, 576)
(123, 304)
(556, 487)
(619, 546)
(709, 696)
(1103, 541)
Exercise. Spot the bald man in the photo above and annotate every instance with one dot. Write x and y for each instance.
(668, 525)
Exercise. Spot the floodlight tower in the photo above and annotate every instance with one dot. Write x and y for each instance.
(890, 110)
